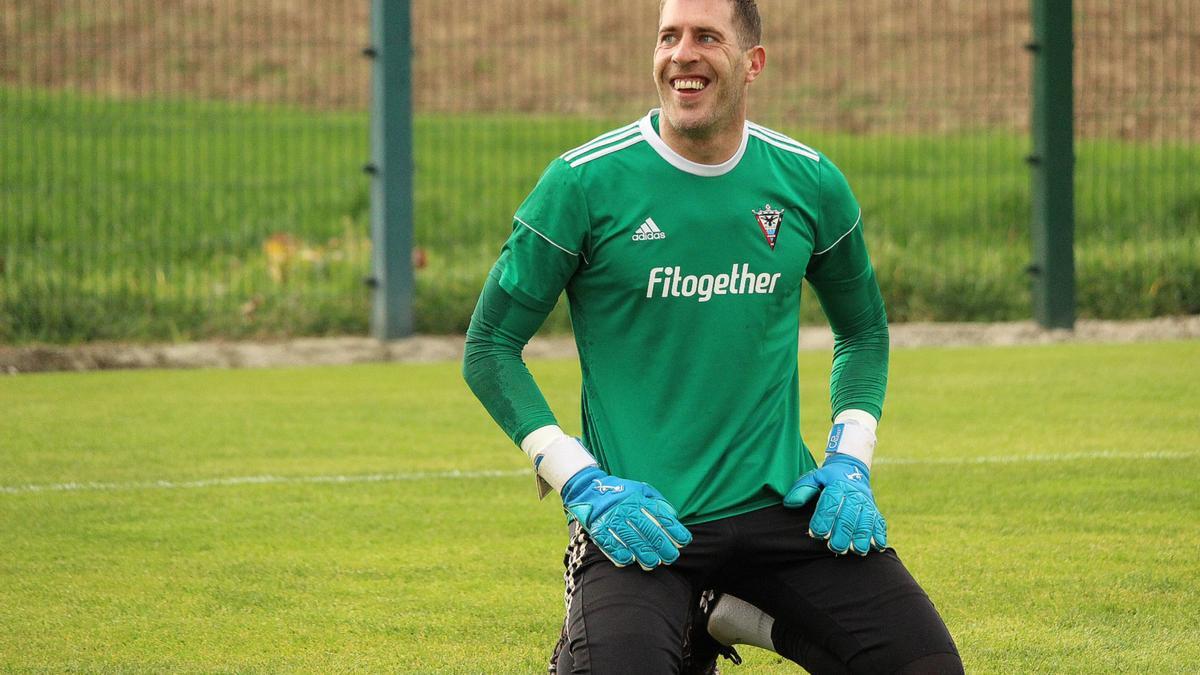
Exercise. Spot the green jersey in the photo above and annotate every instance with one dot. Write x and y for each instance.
(684, 288)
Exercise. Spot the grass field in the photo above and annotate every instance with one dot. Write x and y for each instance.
(150, 219)
(372, 518)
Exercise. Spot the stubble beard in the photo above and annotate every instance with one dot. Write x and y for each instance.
(720, 115)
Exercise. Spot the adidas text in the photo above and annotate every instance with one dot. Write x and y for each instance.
(648, 231)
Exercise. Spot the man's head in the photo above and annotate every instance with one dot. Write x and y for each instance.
(706, 56)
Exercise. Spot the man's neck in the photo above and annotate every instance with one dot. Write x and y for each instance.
(714, 148)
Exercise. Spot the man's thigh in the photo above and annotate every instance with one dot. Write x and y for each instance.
(867, 612)
(625, 619)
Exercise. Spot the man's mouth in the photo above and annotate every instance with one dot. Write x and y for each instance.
(689, 83)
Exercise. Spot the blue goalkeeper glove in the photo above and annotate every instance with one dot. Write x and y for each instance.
(846, 514)
(628, 520)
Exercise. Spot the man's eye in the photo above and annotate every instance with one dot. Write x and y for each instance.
(707, 39)
(667, 39)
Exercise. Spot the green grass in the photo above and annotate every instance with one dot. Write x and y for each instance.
(1042, 564)
(146, 219)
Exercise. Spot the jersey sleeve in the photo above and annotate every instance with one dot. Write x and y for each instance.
(839, 214)
(841, 275)
(549, 239)
(492, 365)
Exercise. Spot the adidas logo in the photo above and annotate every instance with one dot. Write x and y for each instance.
(649, 231)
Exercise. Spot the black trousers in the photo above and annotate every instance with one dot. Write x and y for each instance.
(833, 614)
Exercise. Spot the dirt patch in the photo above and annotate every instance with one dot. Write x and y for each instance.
(422, 349)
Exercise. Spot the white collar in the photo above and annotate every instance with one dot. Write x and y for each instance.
(683, 163)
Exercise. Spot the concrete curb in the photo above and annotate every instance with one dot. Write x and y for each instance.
(429, 348)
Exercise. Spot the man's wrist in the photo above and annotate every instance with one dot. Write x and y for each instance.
(857, 415)
(539, 438)
(556, 457)
(853, 435)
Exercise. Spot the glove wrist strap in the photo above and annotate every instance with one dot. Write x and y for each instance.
(852, 437)
(556, 458)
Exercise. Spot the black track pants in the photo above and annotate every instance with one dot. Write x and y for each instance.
(832, 613)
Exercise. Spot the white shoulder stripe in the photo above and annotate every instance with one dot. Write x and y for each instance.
(638, 138)
(576, 154)
(784, 146)
(839, 239)
(781, 137)
(598, 141)
(614, 132)
(552, 242)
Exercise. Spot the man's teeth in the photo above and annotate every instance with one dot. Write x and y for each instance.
(689, 84)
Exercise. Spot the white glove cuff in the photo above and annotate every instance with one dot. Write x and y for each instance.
(853, 435)
(556, 457)
(861, 416)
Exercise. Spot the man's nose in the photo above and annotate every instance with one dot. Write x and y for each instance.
(685, 51)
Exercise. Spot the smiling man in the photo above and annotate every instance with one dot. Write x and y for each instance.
(682, 241)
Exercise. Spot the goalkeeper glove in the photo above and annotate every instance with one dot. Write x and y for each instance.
(628, 520)
(845, 515)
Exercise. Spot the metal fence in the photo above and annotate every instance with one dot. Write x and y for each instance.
(177, 170)
(193, 169)
(1138, 169)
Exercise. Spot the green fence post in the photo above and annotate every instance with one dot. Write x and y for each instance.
(391, 169)
(1053, 164)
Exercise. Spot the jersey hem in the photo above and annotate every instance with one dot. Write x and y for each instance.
(844, 235)
(525, 298)
(756, 505)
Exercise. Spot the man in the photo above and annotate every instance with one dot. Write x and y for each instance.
(682, 241)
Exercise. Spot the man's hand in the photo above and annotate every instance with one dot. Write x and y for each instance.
(628, 520)
(846, 514)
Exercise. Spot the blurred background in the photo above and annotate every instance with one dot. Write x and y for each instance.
(192, 169)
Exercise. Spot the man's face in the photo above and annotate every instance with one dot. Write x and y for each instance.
(700, 68)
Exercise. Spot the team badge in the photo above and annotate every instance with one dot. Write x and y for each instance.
(769, 220)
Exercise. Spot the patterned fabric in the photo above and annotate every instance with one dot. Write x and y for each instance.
(573, 559)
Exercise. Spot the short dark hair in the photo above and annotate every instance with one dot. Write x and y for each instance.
(748, 22)
(745, 19)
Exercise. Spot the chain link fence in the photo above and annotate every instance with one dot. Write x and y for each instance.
(1138, 149)
(192, 169)
(183, 169)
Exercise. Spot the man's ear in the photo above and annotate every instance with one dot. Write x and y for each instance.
(758, 61)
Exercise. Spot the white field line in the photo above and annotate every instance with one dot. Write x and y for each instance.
(474, 475)
(259, 480)
(1030, 459)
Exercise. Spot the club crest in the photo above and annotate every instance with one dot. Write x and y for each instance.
(769, 220)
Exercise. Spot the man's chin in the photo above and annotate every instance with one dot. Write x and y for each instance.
(694, 124)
